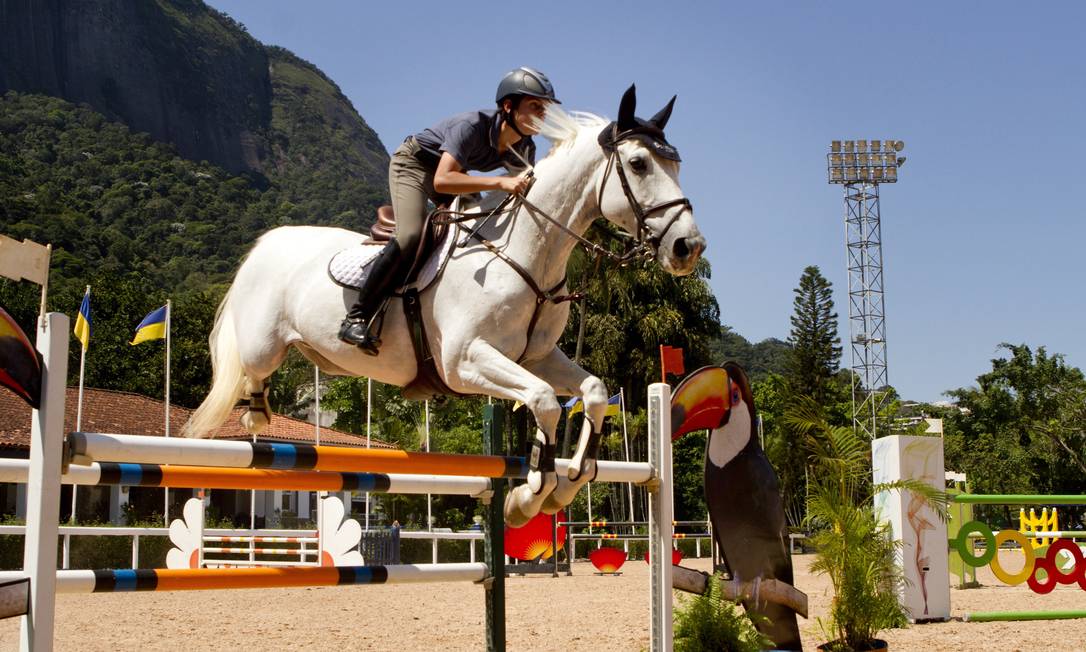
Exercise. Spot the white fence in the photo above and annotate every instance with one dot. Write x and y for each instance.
(69, 531)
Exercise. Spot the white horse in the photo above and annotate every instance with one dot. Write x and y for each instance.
(489, 331)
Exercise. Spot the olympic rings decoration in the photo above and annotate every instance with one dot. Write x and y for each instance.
(1041, 583)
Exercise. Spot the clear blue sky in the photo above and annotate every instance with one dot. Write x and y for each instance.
(982, 238)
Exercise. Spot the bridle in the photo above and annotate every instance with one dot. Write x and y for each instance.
(645, 241)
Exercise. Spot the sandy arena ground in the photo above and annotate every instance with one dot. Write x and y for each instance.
(586, 612)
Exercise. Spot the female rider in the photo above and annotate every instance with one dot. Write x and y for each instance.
(433, 164)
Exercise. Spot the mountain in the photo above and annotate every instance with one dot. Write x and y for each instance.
(192, 77)
(759, 360)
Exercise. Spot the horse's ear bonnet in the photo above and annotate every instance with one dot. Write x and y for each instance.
(650, 132)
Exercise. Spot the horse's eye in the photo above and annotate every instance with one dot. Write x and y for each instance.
(638, 165)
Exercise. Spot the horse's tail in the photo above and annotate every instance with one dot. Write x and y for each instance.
(227, 377)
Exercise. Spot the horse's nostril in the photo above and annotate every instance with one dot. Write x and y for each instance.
(680, 249)
(687, 247)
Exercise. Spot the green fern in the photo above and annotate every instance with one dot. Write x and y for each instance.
(709, 623)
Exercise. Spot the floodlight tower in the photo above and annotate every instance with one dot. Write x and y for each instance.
(860, 166)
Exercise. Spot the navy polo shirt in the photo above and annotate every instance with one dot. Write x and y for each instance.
(472, 139)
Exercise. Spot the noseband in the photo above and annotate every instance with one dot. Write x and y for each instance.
(645, 241)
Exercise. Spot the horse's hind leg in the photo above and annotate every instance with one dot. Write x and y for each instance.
(569, 379)
(259, 363)
(258, 413)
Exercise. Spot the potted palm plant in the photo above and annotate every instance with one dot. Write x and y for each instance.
(851, 546)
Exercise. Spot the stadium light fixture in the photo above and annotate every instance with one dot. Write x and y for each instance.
(864, 161)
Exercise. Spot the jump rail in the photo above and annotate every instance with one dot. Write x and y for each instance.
(206, 477)
(196, 579)
(85, 447)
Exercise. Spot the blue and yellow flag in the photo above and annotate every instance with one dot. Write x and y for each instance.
(83, 321)
(153, 327)
(575, 405)
(613, 406)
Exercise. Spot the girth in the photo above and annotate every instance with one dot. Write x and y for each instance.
(427, 381)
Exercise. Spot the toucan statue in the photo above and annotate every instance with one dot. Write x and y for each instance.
(743, 497)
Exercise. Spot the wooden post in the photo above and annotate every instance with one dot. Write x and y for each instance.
(494, 542)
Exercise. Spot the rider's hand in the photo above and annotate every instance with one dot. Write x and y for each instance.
(514, 185)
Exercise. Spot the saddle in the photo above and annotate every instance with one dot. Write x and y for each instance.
(384, 229)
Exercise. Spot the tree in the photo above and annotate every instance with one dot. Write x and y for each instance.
(768, 357)
(816, 349)
(811, 376)
(1023, 428)
(771, 396)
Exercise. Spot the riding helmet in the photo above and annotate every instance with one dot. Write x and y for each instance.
(525, 81)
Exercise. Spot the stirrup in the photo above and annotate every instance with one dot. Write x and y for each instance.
(368, 342)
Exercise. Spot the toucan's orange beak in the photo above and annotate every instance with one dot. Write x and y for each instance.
(700, 402)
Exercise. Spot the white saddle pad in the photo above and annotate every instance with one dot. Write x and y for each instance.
(351, 266)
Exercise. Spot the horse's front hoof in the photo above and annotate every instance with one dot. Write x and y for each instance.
(524, 501)
(517, 514)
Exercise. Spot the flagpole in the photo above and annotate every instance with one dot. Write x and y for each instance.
(429, 497)
(626, 445)
(44, 286)
(369, 397)
(166, 505)
(79, 407)
(663, 366)
(589, 507)
(317, 422)
(317, 400)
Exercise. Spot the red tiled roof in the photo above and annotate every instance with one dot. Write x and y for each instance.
(106, 410)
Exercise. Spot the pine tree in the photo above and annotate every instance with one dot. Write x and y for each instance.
(811, 364)
(816, 350)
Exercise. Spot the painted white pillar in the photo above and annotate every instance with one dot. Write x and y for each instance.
(303, 503)
(274, 514)
(661, 519)
(118, 498)
(20, 501)
(43, 486)
(923, 556)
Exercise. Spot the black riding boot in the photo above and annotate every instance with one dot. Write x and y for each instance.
(383, 278)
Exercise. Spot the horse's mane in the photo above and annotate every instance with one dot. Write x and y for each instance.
(563, 129)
